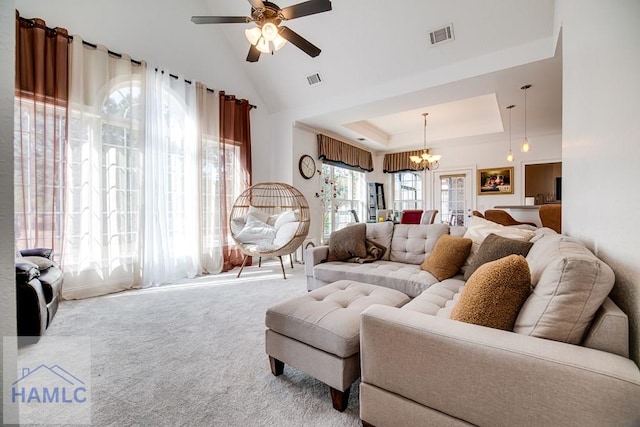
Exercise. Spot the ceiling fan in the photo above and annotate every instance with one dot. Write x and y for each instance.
(269, 32)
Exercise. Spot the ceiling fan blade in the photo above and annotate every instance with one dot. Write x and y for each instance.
(300, 41)
(306, 8)
(254, 54)
(220, 19)
(257, 4)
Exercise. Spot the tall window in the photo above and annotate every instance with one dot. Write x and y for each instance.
(39, 135)
(344, 190)
(407, 191)
(104, 181)
(452, 196)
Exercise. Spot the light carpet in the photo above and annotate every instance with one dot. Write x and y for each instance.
(193, 354)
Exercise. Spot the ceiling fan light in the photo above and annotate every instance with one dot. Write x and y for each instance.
(279, 41)
(263, 45)
(269, 31)
(253, 35)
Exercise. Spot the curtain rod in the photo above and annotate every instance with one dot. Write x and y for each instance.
(116, 54)
(251, 106)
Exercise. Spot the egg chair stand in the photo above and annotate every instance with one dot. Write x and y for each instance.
(271, 201)
(246, 257)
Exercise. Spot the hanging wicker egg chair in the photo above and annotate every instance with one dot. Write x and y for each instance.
(269, 219)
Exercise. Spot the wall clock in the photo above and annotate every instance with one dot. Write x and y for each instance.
(307, 166)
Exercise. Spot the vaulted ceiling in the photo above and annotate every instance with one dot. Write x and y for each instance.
(378, 69)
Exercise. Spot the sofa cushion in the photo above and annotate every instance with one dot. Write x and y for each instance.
(438, 299)
(495, 247)
(406, 278)
(569, 285)
(285, 217)
(447, 257)
(347, 243)
(381, 233)
(494, 294)
(260, 214)
(256, 231)
(42, 262)
(412, 243)
(285, 233)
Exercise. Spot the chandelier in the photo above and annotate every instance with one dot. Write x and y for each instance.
(425, 160)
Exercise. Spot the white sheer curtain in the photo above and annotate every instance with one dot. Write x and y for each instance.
(211, 216)
(171, 249)
(104, 179)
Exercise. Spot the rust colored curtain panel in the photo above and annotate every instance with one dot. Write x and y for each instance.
(235, 170)
(40, 133)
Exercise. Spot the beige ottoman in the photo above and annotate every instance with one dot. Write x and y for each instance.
(319, 333)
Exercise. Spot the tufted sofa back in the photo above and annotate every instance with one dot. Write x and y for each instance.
(411, 244)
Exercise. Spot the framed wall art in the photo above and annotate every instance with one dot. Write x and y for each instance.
(495, 181)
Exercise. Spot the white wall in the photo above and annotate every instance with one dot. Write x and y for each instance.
(601, 139)
(8, 345)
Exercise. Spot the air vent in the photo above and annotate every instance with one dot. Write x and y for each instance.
(314, 79)
(441, 35)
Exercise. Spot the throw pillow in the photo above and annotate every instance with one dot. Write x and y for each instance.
(237, 224)
(569, 285)
(494, 294)
(283, 218)
(480, 228)
(285, 233)
(256, 231)
(260, 214)
(447, 256)
(375, 251)
(42, 262)
(495, 247)
(347, 243)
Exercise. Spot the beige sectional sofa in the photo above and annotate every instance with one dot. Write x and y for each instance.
(566, 362)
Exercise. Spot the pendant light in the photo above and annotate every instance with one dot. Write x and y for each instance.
(510, 155)
(525, 142)
(425, 160)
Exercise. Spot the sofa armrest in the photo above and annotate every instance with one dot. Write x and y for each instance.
(314, 256)
(609, 330)
(503, 378)
(42, 252)
(31, 308)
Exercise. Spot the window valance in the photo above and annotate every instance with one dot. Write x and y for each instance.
(338, 153)
(400, 162)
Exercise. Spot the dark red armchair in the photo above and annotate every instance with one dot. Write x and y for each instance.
(411, 216)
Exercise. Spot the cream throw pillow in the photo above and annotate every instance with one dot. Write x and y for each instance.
(480, 228)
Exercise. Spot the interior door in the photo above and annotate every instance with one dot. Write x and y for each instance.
(453, 196)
